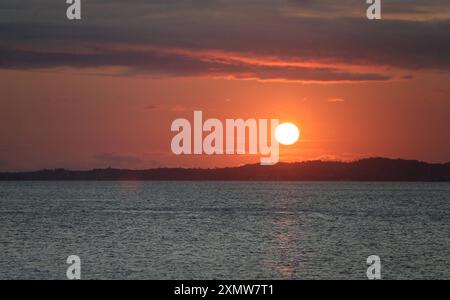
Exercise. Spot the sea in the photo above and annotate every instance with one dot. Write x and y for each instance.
(224, 230)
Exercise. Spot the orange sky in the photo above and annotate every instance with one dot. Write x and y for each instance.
(83, 121)
(60, 107)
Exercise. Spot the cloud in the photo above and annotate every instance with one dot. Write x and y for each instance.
(392, 9)
(152, 107)
(311, 40)
(336, 100)
(172, 64)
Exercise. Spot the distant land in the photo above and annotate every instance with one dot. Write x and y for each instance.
(371, 169)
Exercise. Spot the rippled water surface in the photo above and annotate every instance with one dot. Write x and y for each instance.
(224, 230)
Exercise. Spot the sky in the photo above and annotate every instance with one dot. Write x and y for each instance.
(103, 91)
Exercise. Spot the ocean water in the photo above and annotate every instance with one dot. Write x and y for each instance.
(224, 230)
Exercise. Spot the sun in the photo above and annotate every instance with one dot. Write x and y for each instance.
(287, 134)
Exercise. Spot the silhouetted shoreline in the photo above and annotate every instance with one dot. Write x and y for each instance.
(371, 169)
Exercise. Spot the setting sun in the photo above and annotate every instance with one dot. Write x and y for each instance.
(287, 134)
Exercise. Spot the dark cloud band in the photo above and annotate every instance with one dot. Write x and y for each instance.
(253, 28)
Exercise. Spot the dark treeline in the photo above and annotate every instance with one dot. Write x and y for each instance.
(372, 169)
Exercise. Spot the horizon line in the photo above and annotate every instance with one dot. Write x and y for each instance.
(231, 167)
